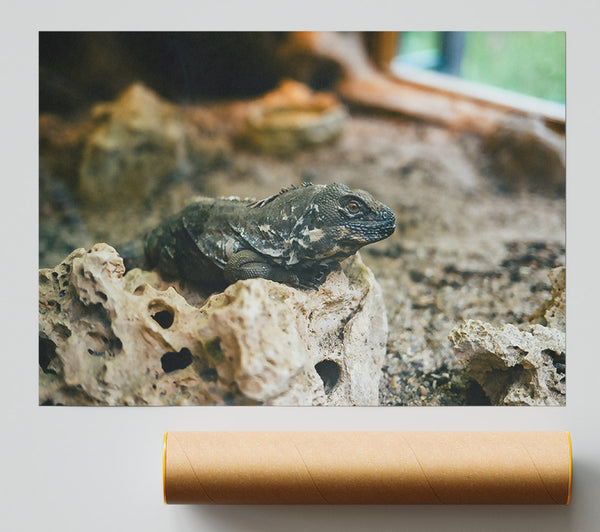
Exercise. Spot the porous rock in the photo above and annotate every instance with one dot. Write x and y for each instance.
(109, 338)
(292, 117)
(519, 366)
(134, 144)
(513, 366)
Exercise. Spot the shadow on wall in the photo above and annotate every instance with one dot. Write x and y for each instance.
(360, 518)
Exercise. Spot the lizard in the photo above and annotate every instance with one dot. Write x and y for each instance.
(296, 236)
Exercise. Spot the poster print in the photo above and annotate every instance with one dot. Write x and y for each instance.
(287, 219)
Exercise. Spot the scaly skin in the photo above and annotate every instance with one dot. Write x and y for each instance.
(296, 236)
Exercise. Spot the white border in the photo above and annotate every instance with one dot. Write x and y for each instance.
(99, 468)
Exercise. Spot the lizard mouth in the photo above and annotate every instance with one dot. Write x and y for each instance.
(388, 227)
(384, 231)
(388, 224)
(374, 230)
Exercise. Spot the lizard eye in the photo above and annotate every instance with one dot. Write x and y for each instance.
(353, 207)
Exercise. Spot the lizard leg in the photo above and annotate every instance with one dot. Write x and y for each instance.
(246, 264)
(313, 279)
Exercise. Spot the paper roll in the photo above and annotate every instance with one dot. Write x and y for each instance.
(367, 468)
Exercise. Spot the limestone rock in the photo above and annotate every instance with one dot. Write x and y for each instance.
(519, 366)
(292, 117)
(136, 143)
(112, 339)
(513, 366)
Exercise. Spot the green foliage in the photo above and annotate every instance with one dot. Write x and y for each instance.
(419, 41)
(529, 62)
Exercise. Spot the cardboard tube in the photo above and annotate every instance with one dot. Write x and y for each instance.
(367, 467)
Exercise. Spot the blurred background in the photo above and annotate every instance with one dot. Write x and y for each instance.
(80, 67)
(462, 134)
(531, 63)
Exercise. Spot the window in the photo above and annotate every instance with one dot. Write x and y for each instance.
(524, 69)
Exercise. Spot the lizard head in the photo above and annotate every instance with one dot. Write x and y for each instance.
(344, 220)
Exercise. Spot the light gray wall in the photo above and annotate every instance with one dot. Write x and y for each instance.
(89, 469)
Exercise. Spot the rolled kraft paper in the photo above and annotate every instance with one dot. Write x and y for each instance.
(367, 467)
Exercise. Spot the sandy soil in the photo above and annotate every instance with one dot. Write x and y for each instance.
(463, 248)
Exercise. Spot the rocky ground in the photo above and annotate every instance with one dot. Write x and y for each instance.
(467, 245)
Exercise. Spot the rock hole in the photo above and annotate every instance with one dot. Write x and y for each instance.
(229, 398)
(61, 330)
(213, 349)
(116, 344)
(519, 351)
(558, 360)
(476, 395)
(161, 313)
(47, 354)
(174, 360)
(164, 318)
(329, 371)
